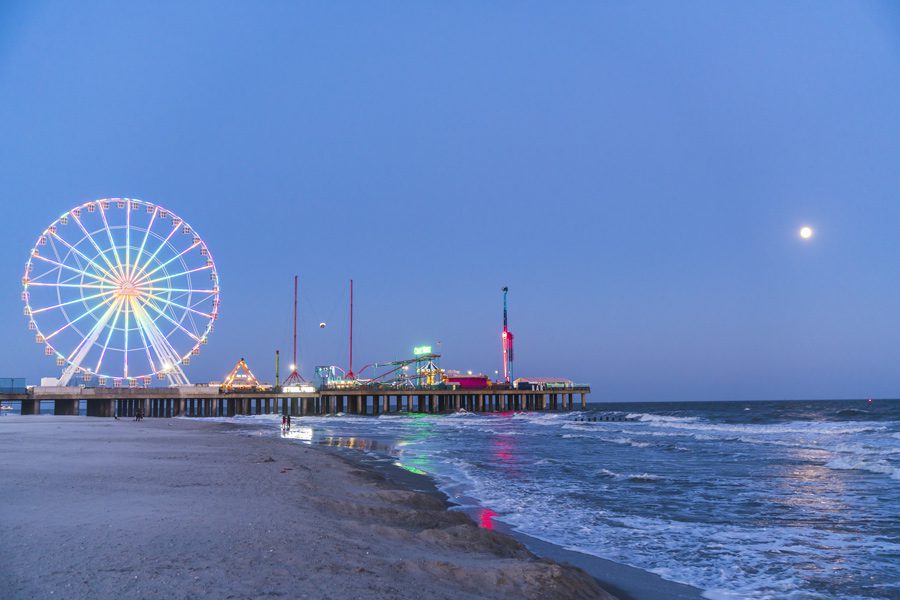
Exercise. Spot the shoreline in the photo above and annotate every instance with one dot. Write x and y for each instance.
(176, 508)
(625, 582)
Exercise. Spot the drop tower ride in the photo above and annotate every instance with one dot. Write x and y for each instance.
(507, 339)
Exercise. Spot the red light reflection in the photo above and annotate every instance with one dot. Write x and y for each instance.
(485, 518)
(503, 448)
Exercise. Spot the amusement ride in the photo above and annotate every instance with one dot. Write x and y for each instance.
(122, 290)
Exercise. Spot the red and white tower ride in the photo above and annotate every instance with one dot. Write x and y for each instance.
(507, 338)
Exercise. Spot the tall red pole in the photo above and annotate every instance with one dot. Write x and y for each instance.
(350, 372)
(295, 377)
(295, 324)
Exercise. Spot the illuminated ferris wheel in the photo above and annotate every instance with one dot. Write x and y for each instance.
(122, 290)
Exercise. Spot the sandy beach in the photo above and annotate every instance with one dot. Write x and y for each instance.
(97, 508)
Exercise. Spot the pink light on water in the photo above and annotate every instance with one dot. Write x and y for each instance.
(486, 518)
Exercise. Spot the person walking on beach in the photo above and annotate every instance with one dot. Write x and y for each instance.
(288, 417)
(283, 422)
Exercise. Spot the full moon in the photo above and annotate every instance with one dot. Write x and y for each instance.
(806, 232)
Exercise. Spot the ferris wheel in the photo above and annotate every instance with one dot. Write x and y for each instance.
(123, 290)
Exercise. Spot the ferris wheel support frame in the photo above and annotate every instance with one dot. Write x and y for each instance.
(87, 343)
(164, 350)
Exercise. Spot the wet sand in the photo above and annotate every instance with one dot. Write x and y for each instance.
(172, 508)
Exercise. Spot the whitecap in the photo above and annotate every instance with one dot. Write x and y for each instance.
(643, 478)
(848, 463)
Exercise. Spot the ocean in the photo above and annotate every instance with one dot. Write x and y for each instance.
(739, 499)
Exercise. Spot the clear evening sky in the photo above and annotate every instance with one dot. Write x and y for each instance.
(636, 173)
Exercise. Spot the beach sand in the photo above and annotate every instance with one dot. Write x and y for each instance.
(173, 508)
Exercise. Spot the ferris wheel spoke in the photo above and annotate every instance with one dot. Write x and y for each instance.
(127, 268)
(109, 333)
(48, 274)
(194, 323)
(55, 249)
(162, 245)
(194, 336)
(78, 318)
(69, 277)
(167, 289)
(94, 243)
(190, 316)
(72, 248)
(182, 306)
(112, 243)
(174, 258)
(137, 258)
(173, 275)
(73, 269)
(127, 306)
(35, 311)
(98, 286)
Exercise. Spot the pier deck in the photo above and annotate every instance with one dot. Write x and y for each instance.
(175, 402)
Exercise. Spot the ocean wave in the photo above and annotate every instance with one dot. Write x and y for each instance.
(703, 437)
(654, 418)
(736, 560)
(643, 478)
(608, 473)
(788, 437)
(542, 416)
(632, 477)
(664, 433)
(544, 419)
(597, 426)
(601, 434)
(626, 441)
(868, 449)
(855, 463)
(850, 412)
(482, 427)
(774, 442)
(459, 415)
(804, 427)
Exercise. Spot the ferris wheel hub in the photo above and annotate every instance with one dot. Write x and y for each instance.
(129, 289)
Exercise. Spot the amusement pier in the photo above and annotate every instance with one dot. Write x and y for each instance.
(121, 294)
(206, 402)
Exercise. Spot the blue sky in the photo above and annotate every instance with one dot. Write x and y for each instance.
(635, 172)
